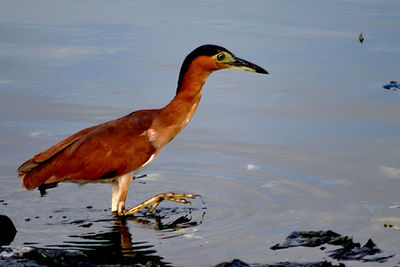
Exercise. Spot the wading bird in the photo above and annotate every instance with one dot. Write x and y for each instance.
(114, 151)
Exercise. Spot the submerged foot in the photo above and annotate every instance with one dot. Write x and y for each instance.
(156, 200)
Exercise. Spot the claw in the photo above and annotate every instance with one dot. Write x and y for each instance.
(154, 206)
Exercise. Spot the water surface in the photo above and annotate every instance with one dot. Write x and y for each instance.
(312, 146)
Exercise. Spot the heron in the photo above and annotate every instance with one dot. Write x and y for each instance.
(114, 151)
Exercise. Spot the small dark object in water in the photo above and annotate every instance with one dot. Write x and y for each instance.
(87, 225)
(389, 225)
(392, 85)
(361, 38)
(7, 230)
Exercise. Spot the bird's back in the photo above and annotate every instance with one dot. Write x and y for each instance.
(96, 153)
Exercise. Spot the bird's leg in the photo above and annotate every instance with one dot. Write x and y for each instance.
(120, 190)
(156, 200)
(115, 196)
(123, 185)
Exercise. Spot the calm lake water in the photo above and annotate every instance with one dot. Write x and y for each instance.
(315, 145)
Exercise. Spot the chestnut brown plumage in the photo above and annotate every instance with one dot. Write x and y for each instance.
(116, 150)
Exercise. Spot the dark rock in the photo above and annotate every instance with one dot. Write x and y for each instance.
(349, 250)
(233, 263)
(7, 230)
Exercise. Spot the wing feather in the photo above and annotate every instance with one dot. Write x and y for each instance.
(115, 147)
(36, 160)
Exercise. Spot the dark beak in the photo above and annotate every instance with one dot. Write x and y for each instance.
(242, 64)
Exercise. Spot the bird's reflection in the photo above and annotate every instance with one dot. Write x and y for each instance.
(117, 246)
(114, 244)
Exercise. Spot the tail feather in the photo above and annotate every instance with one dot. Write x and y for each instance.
(26, 167)
(24, 171)
(31, 170)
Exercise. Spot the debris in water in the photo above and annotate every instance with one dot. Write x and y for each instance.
(392, 85)
(390, 222)
(361, 38)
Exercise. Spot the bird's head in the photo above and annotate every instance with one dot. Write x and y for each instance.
(209, 58)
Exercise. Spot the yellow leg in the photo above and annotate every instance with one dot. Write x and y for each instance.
(156, 200)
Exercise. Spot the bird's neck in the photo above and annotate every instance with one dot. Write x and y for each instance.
(177, 114)
(184, 104)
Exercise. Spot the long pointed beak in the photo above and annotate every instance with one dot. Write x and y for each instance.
(241, 64)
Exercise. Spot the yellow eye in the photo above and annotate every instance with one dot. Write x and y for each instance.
(221, 56)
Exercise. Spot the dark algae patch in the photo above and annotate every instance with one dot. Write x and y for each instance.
(239, 263)
(308, 239)
(323, 240)
(348, 249)
(353, 251)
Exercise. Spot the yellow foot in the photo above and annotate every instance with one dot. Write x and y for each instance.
(156, 200)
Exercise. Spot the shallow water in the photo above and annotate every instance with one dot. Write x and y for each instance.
(312, 146)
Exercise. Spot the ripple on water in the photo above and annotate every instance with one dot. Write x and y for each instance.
(243, 206)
